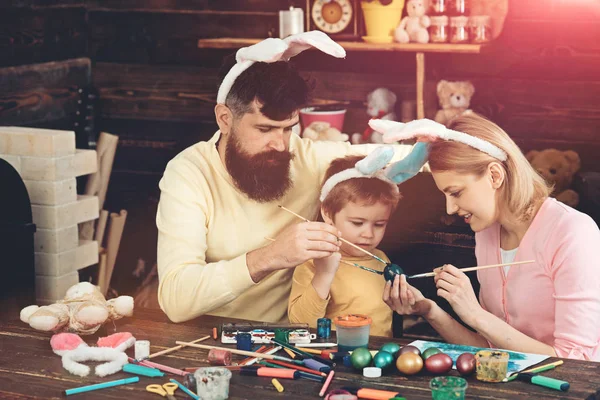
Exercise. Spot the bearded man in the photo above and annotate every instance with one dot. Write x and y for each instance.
(219, 199)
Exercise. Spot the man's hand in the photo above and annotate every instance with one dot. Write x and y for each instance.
(294, 246)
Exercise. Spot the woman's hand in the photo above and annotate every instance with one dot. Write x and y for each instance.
(454, 286)
(404, 298)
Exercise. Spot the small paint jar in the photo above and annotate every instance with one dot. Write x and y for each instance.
(142, 349)
(438, 30)
(491, 366)
(323, 328)
(438, 7)
(244, 341)
(448, 388)
(282, 335)
(212, 383)
(481, 28)
(352, 331)
(219, 357)
(459, 32)
(458, 7)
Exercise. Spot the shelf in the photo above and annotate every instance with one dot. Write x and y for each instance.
(236, 43)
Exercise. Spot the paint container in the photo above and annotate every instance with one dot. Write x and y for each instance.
(448, 388)
(189, 381)
(219, 357)
(282, 335)
(491, 366)
(244, 341)
(352, 331)
(212, 383)
(142, 349)
(323, 328)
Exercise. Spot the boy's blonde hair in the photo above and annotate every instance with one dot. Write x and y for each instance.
(367, 191)
(523, 187)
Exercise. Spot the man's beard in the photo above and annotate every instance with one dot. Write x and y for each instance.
(263, 177)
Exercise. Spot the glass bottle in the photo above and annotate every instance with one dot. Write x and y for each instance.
(481, 28)
(459, 32)
(438, 30)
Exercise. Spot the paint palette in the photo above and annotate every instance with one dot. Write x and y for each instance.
(296, 336)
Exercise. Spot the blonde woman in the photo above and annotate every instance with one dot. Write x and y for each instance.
(551, 306)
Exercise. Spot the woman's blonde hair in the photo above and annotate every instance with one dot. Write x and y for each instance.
(523, 187)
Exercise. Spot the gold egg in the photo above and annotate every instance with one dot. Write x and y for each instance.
(409, 363)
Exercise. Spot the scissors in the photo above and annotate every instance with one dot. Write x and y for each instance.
(165, 390)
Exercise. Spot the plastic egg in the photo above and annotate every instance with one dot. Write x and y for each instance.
(392, 348)
(361, 358)
(465, 364)
(439, 364)
(391, 270)
(410, 349)
(409, 363)
(430, 352)
(383, 360)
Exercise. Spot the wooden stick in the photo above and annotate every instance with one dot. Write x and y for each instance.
(172, 349)
(420, 59)
(102, 270)
(236, 351)
(113, 241)
(101, 227)
(474, 268)
(341, 238)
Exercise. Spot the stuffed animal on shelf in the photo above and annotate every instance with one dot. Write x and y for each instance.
(558, 168)
(381, 104)
(454, 98)
(413, 27)
(324, 131)
(83, 310)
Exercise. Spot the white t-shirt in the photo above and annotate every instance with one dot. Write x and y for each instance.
(508, 256)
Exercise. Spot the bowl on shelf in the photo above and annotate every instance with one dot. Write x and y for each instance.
(333, 114)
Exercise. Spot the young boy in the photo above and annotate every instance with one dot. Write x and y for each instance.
(360, 208)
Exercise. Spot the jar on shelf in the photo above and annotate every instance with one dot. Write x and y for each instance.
(459, 32)
(438, 30)
(458, 7)
(481, 28)
(438, 7)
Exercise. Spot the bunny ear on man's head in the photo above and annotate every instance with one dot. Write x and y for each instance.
(395, 131)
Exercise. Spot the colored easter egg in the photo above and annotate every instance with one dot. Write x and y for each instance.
(383, 360)
(410, 349)
(438, 364)
(409, 363)
(465, 364)
(391, 270)
(392, 348)
(430, 352)
(361, 358)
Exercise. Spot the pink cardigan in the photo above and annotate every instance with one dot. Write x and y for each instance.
(556, 300)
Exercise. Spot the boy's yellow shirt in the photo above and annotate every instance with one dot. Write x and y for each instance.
(353, 291)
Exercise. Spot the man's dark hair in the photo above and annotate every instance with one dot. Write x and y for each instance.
(277, 86)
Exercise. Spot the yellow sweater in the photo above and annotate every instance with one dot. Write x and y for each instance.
(353, 291)
(206, 226)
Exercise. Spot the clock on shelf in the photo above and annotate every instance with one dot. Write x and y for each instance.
(337, 18)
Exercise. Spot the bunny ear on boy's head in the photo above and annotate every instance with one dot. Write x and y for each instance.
(409, 166)
(375, 160)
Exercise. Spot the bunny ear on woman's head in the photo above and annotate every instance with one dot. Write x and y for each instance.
(319, 40)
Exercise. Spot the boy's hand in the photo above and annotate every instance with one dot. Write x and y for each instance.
(328, 265)
(404, 298)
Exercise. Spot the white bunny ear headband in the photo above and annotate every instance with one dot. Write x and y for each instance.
(372, 166)
(272, 50)
(394, 131)
(74, 351)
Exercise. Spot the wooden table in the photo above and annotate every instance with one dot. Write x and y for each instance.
(29, 369)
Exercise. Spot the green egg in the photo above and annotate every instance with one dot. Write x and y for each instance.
(361, 358)
(430, 352)
(383, 360)
(391, 270)
(392, 348)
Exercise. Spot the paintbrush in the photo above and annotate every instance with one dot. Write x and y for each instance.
(541, 368)
(171, 349)
(347, 262)
(427, 274)
(242, 352)
(340, 238)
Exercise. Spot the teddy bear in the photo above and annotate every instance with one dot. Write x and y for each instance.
(413, 28)
(454, 98)
(557, 168)
(320, 130)
(83, 310)
(381, 103)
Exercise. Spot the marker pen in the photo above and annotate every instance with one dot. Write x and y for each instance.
(544, 381)
(270, 372)
(372, 394)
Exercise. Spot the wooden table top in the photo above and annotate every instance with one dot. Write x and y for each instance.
(29, 369)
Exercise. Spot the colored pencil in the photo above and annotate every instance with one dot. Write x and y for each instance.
(169, 350)
(298, 367)
(302, 353)
(340, 238)
(315, 344)
(290, 353)
(161, 367)
(270, 351)
(236, 351)
(427, 274)
(261, 349)
(326, 384)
